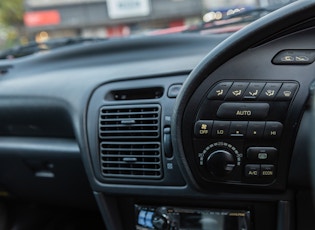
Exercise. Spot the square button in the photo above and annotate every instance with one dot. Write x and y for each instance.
(287, 91)
(238, 128)
(203, 128)
(237, 91)
(273, 129)
(270, 91)
(219, 91)
(255, 129)
(262, 154)
(253, 91)
(267, 170)
(221, 128)
(252, 170)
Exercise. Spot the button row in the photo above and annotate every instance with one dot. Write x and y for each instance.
(257, 170)
(236, 91)
(250, 129)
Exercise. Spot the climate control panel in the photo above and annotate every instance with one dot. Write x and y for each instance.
(238, 131)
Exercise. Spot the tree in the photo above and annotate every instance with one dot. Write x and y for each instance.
(11, 12)
(11, 22)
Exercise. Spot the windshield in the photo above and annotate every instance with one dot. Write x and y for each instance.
(29, 22)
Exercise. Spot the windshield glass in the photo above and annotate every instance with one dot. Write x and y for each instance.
(29, 22)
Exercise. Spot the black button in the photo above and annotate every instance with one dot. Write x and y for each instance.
(270, 91)
(244, 111)
(273, 129)
(203, 128)
(255, 129)
(220, 128)
(219, 91)
(253, 90)
(294, 57)
(286, 92)
(262, 153)
(237, 91)
(252, 170)
(238, 128)
(173, 90)
(267, 170)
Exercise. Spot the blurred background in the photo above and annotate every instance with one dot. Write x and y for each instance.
(22, 21)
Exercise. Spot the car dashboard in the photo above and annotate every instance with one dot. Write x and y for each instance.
(182, 131)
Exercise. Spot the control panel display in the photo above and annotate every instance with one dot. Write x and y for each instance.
(176, 218)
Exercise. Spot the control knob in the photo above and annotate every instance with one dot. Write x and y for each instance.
(160, 223)
(220, 163)
(161, 219)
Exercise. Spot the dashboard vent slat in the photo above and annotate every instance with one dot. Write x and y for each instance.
(130, 145)
(118, 159)
(129, 122)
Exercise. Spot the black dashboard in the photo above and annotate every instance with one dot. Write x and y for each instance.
(162, 133)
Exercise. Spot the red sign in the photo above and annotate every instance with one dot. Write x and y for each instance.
(42, 18)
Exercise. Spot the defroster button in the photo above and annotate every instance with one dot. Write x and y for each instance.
(286, 92)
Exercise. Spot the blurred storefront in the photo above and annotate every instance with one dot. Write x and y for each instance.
(106, 18)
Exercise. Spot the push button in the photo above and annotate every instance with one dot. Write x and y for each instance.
(270, 91)
(262, 154)
(238, 128)
(286, 92)
(243, 111)
(252, 170)
(219, 91)
(203, 128)
(253, 91)
(255, 129)
(220, 128)
(294, 57)
(273, 129)
(267, 170)
(237, 91)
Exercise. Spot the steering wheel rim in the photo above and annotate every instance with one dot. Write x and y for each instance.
(252, 35)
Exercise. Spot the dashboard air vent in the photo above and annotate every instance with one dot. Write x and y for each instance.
(130, 142)
(132, 160)
(129, 122)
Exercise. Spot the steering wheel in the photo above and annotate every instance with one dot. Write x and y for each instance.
(224, 65)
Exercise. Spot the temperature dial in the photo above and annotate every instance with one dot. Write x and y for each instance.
(220, 158)
(220, 163)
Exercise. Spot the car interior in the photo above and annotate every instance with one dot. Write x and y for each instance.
(177, 131)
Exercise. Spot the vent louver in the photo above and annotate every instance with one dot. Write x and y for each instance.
(130, 141)
(125, 122)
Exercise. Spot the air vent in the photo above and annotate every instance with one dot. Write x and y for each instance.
(130, 122)
(130, 145)
(131, 160)
(135, 94)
